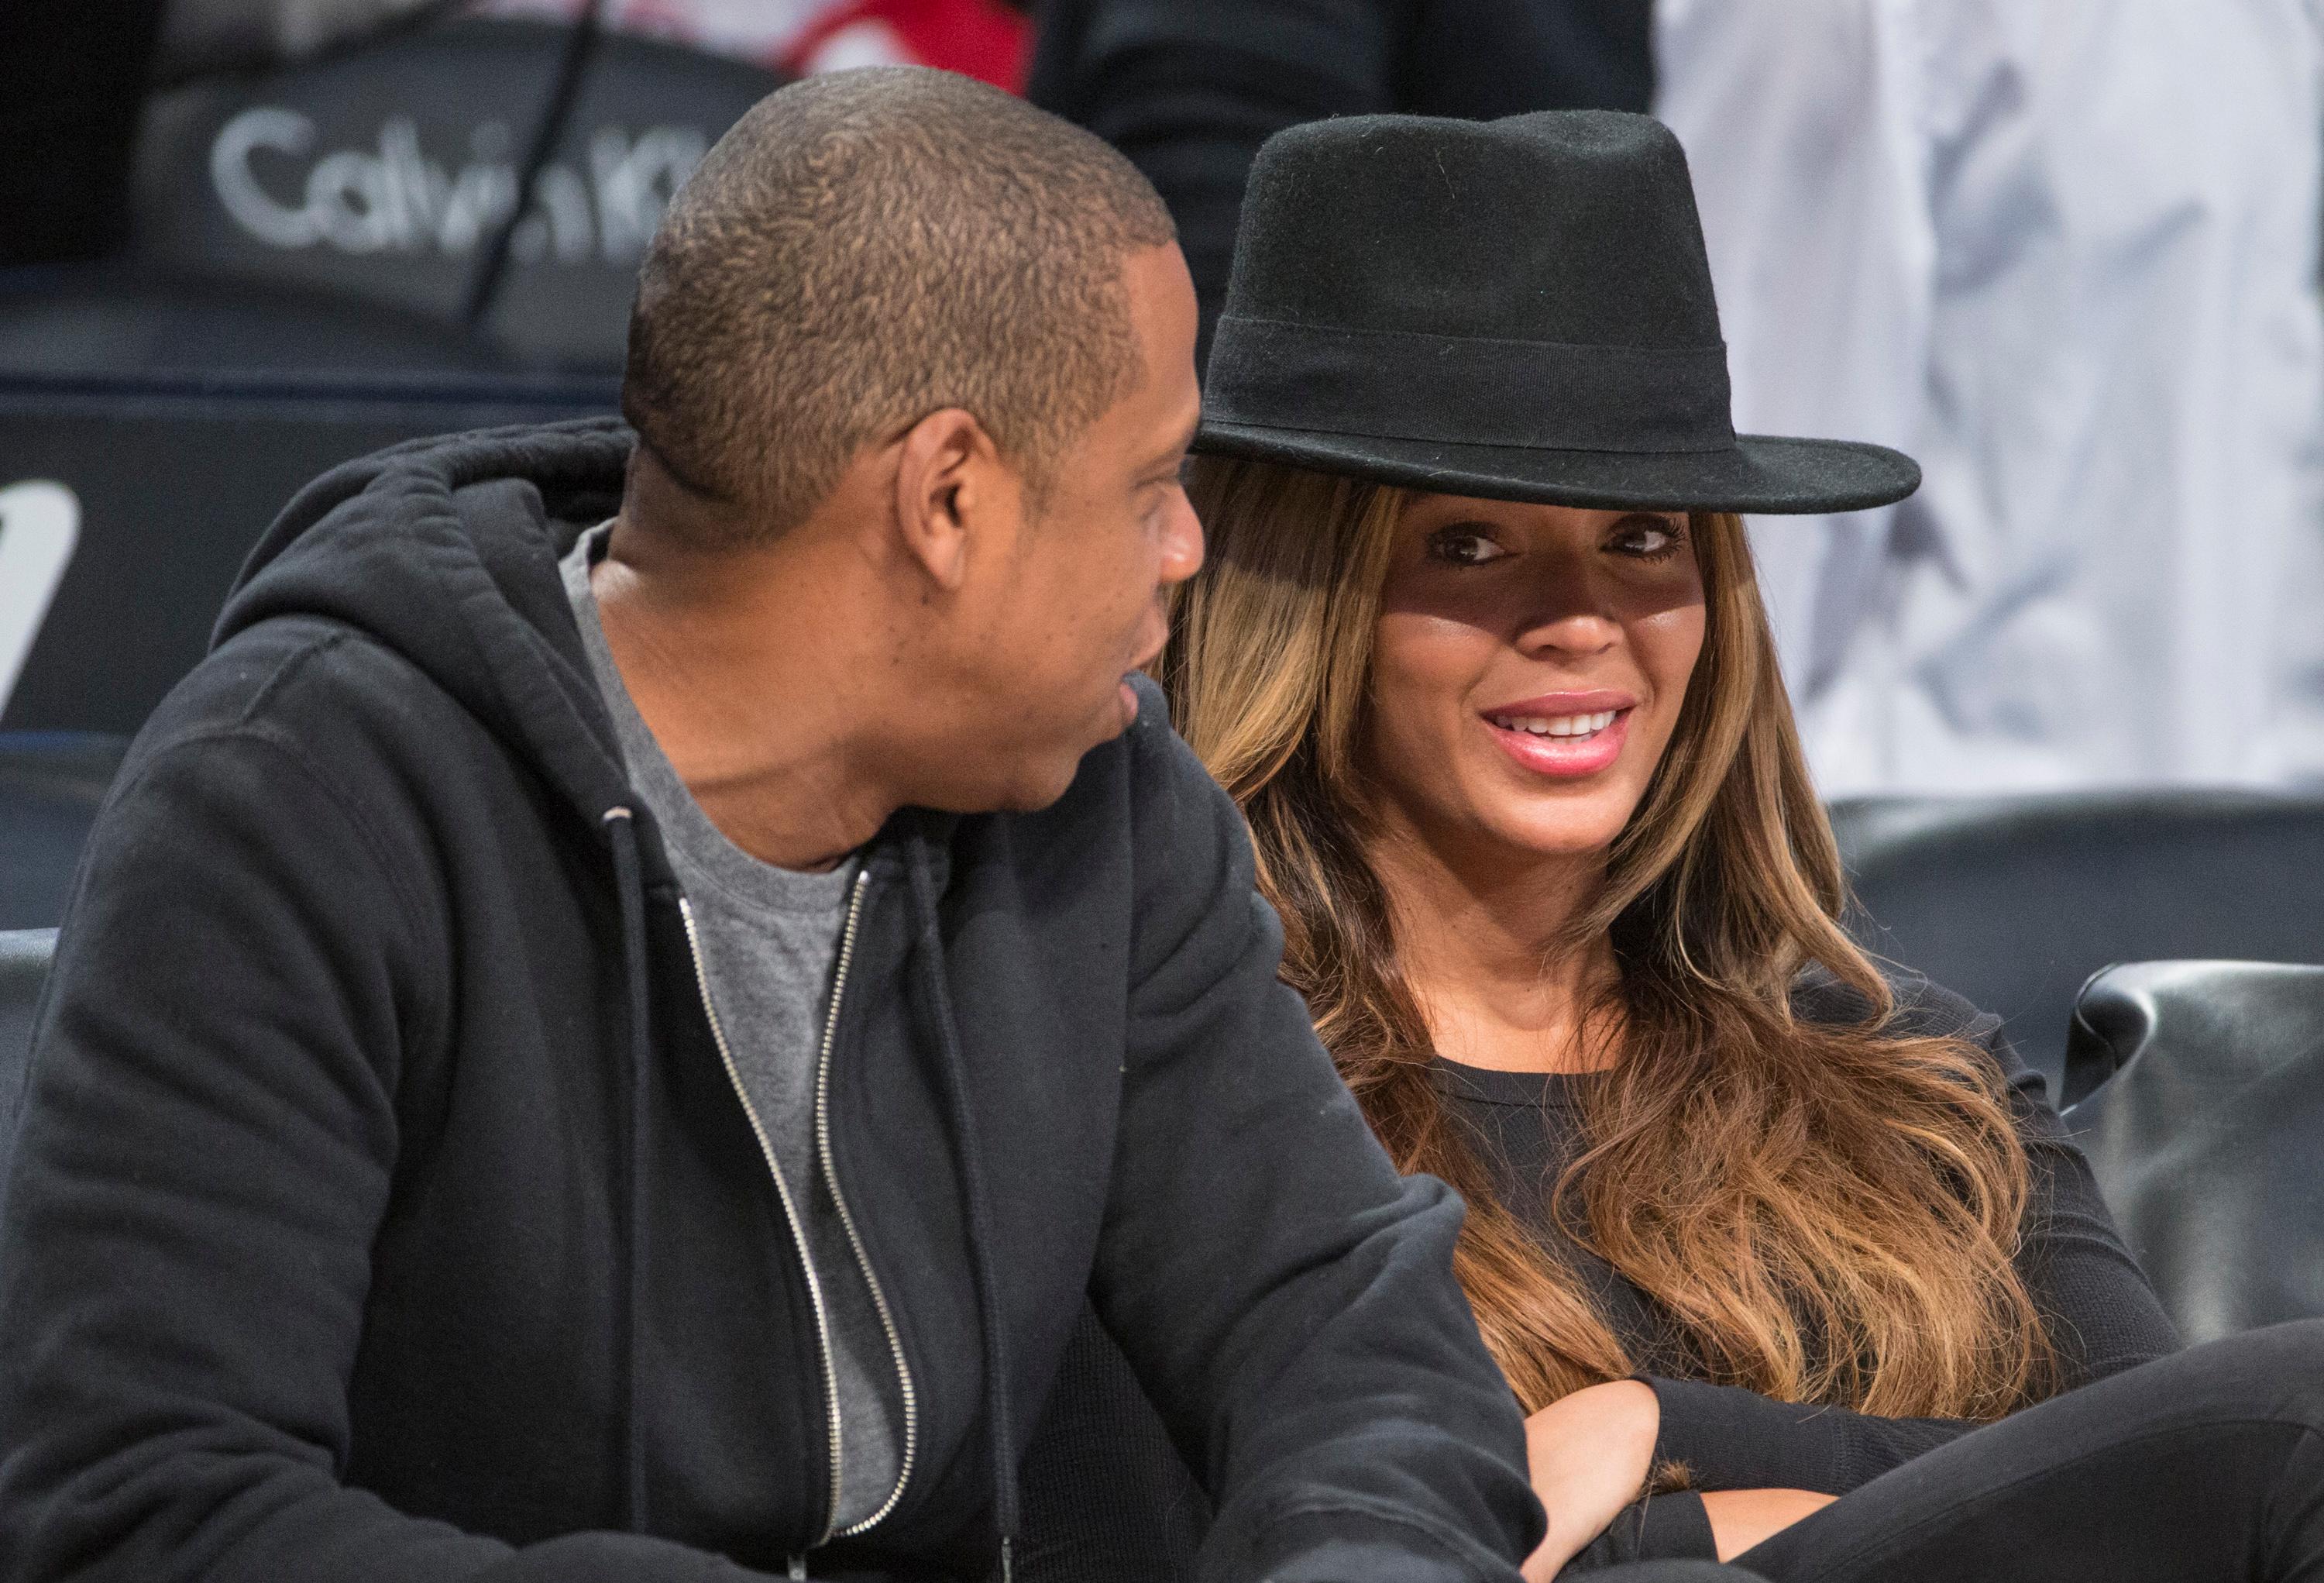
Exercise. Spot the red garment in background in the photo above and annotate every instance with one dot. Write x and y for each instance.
(986, 39)
(977, 38)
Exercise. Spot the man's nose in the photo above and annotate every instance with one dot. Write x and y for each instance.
(1182, 543)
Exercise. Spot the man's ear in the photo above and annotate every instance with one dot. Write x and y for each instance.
(951, 488)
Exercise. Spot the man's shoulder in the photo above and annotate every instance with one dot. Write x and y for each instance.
(1150, 781)
(319, 690)
(283, 666)
(1141, 812)
(1154, 747)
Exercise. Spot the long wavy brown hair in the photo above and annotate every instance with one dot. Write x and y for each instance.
(1828, 1212)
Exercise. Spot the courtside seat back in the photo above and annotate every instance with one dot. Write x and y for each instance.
(51, 785)
(2208, 1137)
(25, 957)
(2013, 902)
(151, 491)
(129, 323)
(380, 174)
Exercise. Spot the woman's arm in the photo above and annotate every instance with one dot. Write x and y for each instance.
(1741, 1518)
(1732, 1438)
(1590, 1454)
(2100, 1314)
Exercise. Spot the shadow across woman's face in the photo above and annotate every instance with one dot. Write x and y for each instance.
(1528, 671)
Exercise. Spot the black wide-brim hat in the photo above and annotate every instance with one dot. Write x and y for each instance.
(1518, 309)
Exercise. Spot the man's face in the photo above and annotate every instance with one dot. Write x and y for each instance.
(1074, 604)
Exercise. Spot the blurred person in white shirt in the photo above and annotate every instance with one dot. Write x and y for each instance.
(2065, 252)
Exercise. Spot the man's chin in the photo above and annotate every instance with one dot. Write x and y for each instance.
(1024, 787)
(1041, 788)
(1037, 777)
(1035, 791)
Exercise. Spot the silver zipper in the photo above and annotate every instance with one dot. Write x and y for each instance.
(790, 1214)
(863, 1260)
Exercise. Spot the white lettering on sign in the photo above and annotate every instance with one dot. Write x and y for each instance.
(394, 198)
(39, 523)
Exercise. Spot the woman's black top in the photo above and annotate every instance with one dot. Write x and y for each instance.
(2101, 1315)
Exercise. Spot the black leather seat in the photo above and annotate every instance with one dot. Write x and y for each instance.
(25, 957)
(2206, 1133)
(2015, 902)
(51, 783)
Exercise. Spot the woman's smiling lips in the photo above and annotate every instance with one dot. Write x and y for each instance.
(1563, 735)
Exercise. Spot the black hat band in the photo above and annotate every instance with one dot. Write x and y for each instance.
(1463, 389)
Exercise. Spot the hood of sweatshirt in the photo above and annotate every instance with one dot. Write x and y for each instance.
(444, 549)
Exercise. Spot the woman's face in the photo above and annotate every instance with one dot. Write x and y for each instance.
(1529, 667)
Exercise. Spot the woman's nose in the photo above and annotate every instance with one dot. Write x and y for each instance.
(1565, 613)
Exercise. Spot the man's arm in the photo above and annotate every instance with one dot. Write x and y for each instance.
(1285, 1298)
(208, 1137)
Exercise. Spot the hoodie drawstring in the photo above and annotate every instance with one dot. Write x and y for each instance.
(980, 1216)
(621, 830)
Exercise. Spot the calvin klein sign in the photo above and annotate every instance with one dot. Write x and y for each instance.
(377, 178)
(276, 184)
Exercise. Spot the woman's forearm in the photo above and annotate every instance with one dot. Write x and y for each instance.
(1741, 1518)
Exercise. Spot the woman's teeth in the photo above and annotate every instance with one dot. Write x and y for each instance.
(1555, 725)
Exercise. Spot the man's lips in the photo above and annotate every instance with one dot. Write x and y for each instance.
(1128, 693)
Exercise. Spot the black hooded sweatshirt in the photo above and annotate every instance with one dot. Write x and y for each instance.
(382, 1207)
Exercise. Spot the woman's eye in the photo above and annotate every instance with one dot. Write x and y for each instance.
(1462, 547)
(1646, 539)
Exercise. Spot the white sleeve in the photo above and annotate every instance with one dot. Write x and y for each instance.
(1802, 126)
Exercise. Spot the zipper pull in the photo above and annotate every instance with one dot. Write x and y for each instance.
(798, 1569)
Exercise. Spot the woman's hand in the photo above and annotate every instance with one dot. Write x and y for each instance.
(1589, 1454)
(1741, 1518)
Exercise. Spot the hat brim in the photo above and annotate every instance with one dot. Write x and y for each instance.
(1763, 473)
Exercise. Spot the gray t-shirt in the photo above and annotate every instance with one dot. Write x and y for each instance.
(769, 940)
